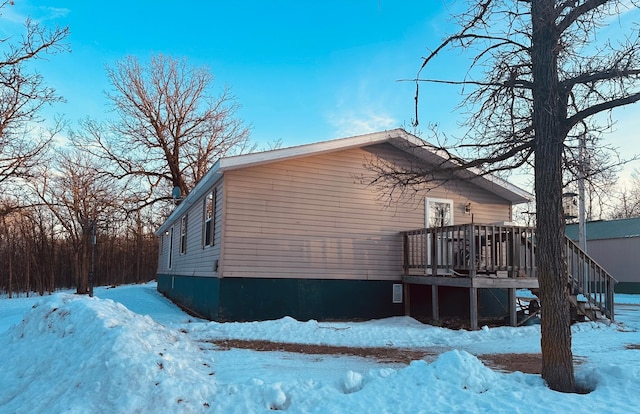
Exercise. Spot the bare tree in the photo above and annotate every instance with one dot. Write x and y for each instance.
(171, 128)
(22, 95)
(83, 199)
(627, 203)
(538, 73)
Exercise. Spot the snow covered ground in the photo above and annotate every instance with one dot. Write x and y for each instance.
(129, 350)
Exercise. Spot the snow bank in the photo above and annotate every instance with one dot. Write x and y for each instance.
(397, 332)
(80, 354)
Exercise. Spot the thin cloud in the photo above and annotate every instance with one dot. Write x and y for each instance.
(363, 105)
(349, 124)
(52, 13)
(13, 17)
(18, 15)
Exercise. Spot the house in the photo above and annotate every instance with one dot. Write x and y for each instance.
(615, 245)
(300, 232)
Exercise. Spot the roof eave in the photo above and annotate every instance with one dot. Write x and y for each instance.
(489, 182)
(208, 181)
(253, 159)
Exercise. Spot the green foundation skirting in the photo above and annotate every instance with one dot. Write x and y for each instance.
(198, 295)
(250, 299)
(627, 287)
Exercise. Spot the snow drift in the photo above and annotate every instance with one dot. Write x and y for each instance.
(84, 354)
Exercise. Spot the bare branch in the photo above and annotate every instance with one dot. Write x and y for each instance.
(576, 12)
(604, 106)
(170, 130)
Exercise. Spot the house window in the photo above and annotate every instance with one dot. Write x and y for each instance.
(438, 212)
(183, 235)
(210, 219)
(170, 256)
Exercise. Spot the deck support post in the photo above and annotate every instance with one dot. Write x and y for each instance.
(435, 307)
(407, 299)
(473, 307)
(513, 316)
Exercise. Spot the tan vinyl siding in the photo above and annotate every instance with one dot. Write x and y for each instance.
(315, 217)
(199, 260)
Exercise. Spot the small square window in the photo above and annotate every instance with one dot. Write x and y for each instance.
(438, 212)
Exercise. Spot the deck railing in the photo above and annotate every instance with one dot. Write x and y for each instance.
(470, 249)
(502, 251)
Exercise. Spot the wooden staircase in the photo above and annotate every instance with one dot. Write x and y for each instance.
(485, 256)
(591, 288)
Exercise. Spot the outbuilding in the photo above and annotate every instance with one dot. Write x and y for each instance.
(615, 245)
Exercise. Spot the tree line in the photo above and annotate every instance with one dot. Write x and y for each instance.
(39, 257)
(79, 204)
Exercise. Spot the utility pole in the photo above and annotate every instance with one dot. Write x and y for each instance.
(582, 170)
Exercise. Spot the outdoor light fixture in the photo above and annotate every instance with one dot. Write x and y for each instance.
(467, 208)
(166, 233)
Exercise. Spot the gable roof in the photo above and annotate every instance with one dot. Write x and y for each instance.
(606, 229)
(397, 137)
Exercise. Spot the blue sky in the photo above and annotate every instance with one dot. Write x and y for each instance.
(303, 71)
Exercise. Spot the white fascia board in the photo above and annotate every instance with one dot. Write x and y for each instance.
(257, 158)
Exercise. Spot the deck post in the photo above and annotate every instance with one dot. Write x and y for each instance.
(472, 252)
(407, 299)
(405, 250)
(435, 307)
(513, 316)
(433, 254)
(473, 307)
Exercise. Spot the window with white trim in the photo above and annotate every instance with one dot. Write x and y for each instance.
(170, 256)
(183, 235)
(438, 212)
(209, 219)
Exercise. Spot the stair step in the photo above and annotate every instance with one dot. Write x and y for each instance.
(584, 308)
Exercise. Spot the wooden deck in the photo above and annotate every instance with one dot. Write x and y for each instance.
(479, 256)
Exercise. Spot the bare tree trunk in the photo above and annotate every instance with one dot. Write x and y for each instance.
(549, 111)
(28, 274)
(139, 248)
(82, 268)
(52, 265)
(10, 287)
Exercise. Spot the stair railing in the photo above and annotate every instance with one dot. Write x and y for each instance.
(589, 279)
